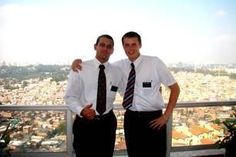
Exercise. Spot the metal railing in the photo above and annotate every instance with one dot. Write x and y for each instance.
(68, 152)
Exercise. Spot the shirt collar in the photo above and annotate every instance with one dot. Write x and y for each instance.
(137, 61)
(97, 63)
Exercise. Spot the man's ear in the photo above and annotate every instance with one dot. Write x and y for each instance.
(112, 50)
(94, 46)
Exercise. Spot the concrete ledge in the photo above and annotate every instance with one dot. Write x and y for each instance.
(199, 153)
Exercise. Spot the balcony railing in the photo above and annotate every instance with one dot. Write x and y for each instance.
(47, 130)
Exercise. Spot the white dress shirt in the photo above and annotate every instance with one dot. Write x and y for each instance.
(151, 72)
(82, 86)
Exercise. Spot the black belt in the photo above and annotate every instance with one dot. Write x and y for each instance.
(144, 113)
(98, 117)
(107, 115)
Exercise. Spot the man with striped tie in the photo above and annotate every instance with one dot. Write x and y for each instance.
(144, 121)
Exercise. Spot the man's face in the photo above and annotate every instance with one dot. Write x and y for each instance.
(104, 49)
(131, 47)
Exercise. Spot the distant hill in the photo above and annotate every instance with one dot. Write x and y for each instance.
(20, 73)
(60, 72)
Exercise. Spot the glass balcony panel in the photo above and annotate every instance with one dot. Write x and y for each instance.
(36, 131)
(198, 125)
(120, 137)
(48, 129)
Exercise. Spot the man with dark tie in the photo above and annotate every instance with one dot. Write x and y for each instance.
(144, 119)
(90, 95)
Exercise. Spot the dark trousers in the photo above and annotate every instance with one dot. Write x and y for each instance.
(141, 139)
(95, 137)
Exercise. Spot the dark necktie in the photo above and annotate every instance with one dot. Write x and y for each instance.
(129, 92)
(101, 92)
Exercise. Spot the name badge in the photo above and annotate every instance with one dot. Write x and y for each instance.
(147, 84)
(114, 88)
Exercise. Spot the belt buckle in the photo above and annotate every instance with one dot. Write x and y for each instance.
(97, 117)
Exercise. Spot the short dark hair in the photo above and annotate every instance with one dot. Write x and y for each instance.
(132, 34)
(104, 36)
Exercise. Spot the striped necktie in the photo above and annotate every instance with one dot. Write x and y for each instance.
(101, 92)
(129, 92)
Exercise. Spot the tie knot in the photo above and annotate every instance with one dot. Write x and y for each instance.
(101, 66)
(132, 65)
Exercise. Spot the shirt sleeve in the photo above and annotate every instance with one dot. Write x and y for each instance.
(122, 84)
(73, 96)
(165, 75)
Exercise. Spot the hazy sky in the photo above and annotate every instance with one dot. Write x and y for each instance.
(57, 31)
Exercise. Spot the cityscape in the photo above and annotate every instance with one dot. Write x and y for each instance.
(38, 37)
(45, 131)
